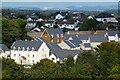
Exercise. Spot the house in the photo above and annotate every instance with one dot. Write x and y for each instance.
(4, 51)
(59, 16)
(84, 38)
(100, 32)
(29, 52)
(80, 32)
(67, 45)
(59, 55)
(33, 17)
(63, 23)
(96, 40)
(107, 17)
(53, 35)
(49, 23)
(86, 46)
(112, 35)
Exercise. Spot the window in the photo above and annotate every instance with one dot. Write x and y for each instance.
(43, 50)
(33, 49)
(23, 49)
(28, 61)
(14, 55)
(33, 55)
(52, 40)
(57, 40)
(57, 35)
(18, 48)
(33, 61)
(28, 55)
(27, 48)
(53, 58)
(14, 48)
(19, 54)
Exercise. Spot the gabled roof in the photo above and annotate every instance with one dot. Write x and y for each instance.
(64, 53)
(112, 33)
(104, 15)
(53, 46)
(4, 47)
(83, 37)
(97, 38)
(54, 32)
(26, 44)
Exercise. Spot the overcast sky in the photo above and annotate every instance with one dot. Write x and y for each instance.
(56, 4)
(60, 0)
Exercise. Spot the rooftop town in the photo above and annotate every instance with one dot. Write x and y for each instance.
(56, 37)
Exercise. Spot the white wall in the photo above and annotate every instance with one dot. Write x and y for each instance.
(4, 54)
(42, 53)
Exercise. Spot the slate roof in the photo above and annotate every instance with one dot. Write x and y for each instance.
(97, 38)
(104, 15)
(64, 53)
(54, 32)
(55, 46)
(31, 44)
(112, 33)
(69, 44)
(83, 37)
(4, 47)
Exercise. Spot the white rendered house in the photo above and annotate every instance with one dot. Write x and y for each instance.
(29, 52)
(4, 51)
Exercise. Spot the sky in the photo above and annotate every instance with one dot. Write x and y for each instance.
(56, 4)
(60, 0)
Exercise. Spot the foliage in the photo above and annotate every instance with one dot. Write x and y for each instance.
(13, 29)
(88, 24)
(103, 64)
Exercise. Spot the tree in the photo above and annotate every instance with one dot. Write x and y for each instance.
(85, 64)
(12, 30)
(69, 61)
(10, 69)
(88, 24)
(107, 59)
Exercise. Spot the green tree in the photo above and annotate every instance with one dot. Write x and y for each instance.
(69, 61)
(10, 69)
(88, 24)
(108, 60)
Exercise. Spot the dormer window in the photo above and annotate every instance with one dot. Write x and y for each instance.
(23, 49)
(57, 35)
(14, 48)
(61, 35)
(18, 48)
(28, 48)
(52, 35)
(33, 49)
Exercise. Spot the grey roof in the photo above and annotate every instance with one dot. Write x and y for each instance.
(69, 44)
(87, 45)
(54, 31)
(76, 42)
(83, 36)
(97, 38)
(4, 47)
(112, 33)
(53, 46)
(31, 44)
(104, 15)
(64, 53)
